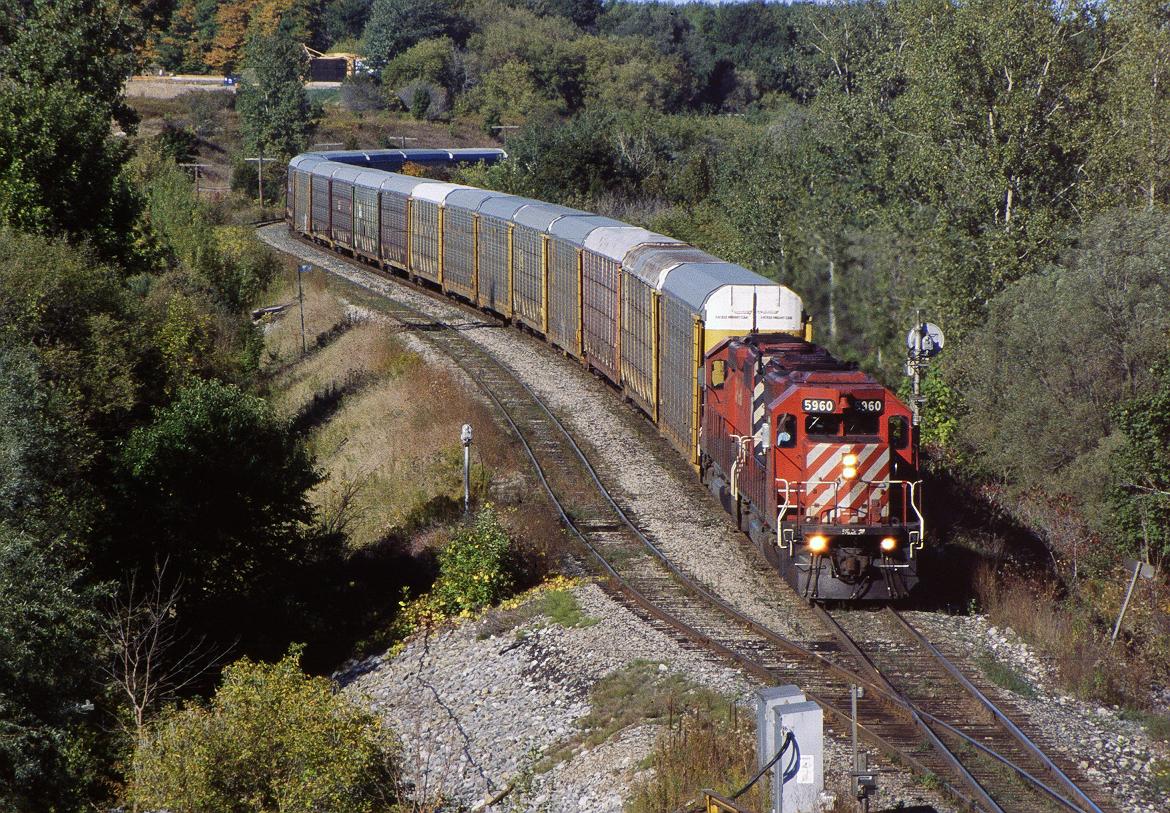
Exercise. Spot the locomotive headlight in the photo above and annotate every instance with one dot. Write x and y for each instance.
(889, 543)
(849, 460)
(849, 472)
(818, 543)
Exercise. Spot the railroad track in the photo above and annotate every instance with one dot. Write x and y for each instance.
(987, 766)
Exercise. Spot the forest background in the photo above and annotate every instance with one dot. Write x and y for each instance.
(1000, 166)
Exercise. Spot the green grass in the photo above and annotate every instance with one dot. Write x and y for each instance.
(636, 694)
(562, 608)
(1005, 676)
(1156, 725)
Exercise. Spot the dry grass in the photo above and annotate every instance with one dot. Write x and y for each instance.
(373, 130)
(388, 431)
(1074, 634)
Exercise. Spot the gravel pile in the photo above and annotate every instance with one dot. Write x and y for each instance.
(477, 710)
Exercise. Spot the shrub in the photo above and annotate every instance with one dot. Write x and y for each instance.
(272, 738)
(473, 566)
(360, 93)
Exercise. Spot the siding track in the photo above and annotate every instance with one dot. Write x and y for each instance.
(918, 707)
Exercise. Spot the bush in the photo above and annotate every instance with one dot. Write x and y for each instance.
(473, 566)
(272, 738)
(360, 93)
(424, 100)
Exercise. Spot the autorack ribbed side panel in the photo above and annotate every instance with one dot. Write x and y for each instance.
(394, 227)
(424, 239)
(365, 219)
(677, 369)
(563, 305)
(493, 264)
(600, 312)
(638, 341)
(458, 250)
(528, 275)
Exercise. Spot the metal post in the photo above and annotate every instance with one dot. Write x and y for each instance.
(465, 436)
(1139, 569)
(301, 299)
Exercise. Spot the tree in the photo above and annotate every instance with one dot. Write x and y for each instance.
(993, 95)
(344, 20)
(1060, 352)
(216, 487)
(48, 666)
(395, 25)
(1140, 498)
(272, 738)
(62, 66)
(1130, 146)
(231, 33)
(274, 110)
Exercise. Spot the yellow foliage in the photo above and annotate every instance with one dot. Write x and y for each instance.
(271, 739)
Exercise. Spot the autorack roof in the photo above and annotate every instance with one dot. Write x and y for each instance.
(616, 241)
(542, 215)
(692, 283)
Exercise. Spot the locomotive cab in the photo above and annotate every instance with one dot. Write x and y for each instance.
(817, 462)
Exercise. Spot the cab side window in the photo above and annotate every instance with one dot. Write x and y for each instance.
(718, 373)
(785, 432)
(899, 431)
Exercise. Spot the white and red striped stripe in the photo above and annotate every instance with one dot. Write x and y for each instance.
(864, 498)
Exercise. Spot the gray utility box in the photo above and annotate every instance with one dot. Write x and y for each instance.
(798, 777)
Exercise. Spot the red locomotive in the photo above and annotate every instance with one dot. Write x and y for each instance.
(817, 463)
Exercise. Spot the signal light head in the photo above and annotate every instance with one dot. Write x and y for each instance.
(889, 543)
(818, 543)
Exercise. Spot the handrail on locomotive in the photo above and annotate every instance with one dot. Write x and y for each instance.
(911, 498)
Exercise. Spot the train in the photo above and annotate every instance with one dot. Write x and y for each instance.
(814, 459)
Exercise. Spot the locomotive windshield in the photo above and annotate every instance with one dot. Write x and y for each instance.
(853, 423)
(822, 425)
(860, 423)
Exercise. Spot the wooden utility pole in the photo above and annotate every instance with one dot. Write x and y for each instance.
(197, 168)
(259, 161)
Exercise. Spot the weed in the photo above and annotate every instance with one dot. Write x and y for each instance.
(642, 692)
(562, 608)
(1160, 775)
(473, 566)
(1006, 677)
(930, 781)
(1156, 725)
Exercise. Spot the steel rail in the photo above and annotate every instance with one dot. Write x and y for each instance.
(1004, 721)
(953, 761)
